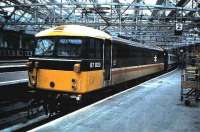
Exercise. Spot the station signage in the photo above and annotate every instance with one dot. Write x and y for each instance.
(178, 29)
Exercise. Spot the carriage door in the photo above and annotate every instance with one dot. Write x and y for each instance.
(107, 60)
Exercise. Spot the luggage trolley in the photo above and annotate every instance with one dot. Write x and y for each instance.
(190, 85)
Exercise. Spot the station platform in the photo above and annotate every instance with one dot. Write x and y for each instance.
(12, 65)
(153, 106)
(8, 78)
(12, 62)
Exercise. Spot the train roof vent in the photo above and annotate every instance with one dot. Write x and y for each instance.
(59, 28)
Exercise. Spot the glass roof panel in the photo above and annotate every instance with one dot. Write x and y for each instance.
(146, 12)
(27, 15)
(150, 2)
(19, 12)
(2, 4)
(167, 12)
(23, 19)
(9, 9)
(190, 4)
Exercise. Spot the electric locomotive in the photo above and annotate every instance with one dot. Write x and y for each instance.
(76, 60)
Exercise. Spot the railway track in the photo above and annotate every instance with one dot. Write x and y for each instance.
(13, 104)
(14, 114)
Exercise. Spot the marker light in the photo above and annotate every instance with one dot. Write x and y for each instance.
(77, 68)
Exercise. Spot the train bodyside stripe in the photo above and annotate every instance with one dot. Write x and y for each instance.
(134, 68)
(120, 75)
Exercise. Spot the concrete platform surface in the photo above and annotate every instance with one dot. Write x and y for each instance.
(8, 62)
(7, 78)
(153, 106)
(13, 63)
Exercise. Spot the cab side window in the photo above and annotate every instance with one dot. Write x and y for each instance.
(94, 48)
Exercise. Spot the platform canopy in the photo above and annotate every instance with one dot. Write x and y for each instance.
(152, 22)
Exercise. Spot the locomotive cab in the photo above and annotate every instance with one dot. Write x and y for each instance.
(70, 61)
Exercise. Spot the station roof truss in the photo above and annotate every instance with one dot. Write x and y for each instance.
(150, 22)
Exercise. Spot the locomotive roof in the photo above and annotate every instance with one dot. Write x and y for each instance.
(83, 31)
(136, 44)
(74, 30)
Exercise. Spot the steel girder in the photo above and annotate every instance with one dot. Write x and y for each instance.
(112, 17)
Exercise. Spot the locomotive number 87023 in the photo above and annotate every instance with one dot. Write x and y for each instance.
(77, 60)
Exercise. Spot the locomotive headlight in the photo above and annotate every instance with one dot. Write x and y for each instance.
(74, 84)
(77, 68)
(33, 82)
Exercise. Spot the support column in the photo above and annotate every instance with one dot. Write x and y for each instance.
(1, 39)
(20, 40)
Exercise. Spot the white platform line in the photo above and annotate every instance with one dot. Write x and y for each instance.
(89, 106)
(13, 82)
(14, 72)
(9, 66)
(11, 61)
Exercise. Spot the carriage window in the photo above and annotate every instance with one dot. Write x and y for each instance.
(69, 47)
(44, 47)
